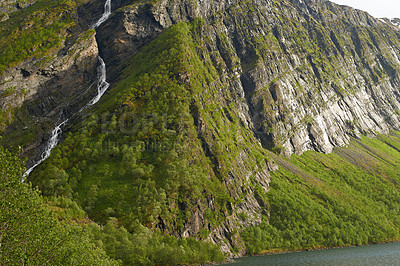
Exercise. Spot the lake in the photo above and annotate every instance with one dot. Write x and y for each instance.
(382, 254)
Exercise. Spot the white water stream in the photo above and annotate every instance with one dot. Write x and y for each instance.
(102, 86)
(106, 14)
(53, 141)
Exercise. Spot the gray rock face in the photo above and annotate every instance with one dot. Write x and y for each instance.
(317, 74)
(9, 6)
(133, 26)
(49, 89)
(343, 83)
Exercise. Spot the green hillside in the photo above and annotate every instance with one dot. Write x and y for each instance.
(347, 198)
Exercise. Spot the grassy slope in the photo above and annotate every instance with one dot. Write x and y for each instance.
(349, 197)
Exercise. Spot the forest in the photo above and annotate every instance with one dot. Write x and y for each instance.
(37, 230)
(347, 198)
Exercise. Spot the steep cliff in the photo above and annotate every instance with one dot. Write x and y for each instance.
(206, 100)
(313, 74)
(46, 74)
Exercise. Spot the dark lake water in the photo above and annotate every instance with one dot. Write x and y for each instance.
(382, 254)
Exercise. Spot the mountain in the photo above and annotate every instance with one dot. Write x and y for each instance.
(254, 125)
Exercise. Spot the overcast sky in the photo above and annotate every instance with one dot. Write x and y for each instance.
(377, 8)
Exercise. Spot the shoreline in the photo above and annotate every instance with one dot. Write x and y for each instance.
(281, 251)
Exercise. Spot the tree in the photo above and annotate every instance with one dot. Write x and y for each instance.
(29, 232)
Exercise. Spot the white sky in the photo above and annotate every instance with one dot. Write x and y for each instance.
(377, 8)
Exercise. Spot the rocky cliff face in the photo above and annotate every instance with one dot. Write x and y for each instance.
(47, 90)
(313, 73)
(287, 76)
(9, 6)
(133, 26)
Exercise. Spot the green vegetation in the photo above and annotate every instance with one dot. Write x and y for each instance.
(145, 248)
(30, 234)
(146, 156)
(142, 164)
(349, 197)
(139, 166)
(34, 30)
(5, 118)
(138, 157)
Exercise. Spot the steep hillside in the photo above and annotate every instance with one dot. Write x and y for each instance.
(207, 103)
(347, 198)
(23, 218)
(47, 67)
(144, 136)
(312, 74)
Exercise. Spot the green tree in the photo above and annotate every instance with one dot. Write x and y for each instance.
(29, 232)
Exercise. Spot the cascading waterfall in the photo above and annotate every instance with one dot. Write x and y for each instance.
(106, 14)
(53, 141)
(102, 86)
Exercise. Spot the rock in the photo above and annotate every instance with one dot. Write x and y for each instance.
(4, 17)
(9, 6)
(44, 89)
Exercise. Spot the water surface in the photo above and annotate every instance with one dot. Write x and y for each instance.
(382, 254)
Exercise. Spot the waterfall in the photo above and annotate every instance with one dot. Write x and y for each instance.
(102, 86)
(53, 141)
(106, 14)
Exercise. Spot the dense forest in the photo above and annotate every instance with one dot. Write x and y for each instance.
(30, 231)
(56, 231)
(348, 198)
